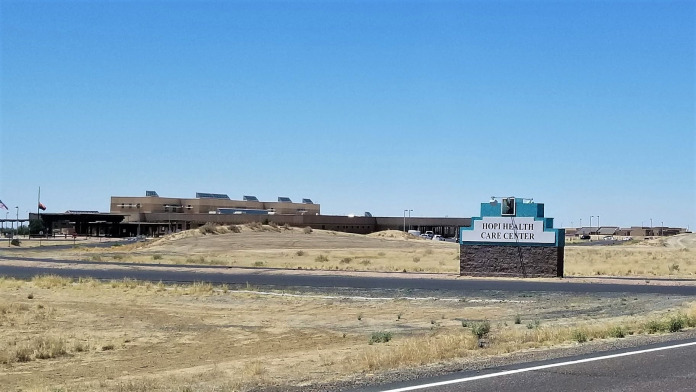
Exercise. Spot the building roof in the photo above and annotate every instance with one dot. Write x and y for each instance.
(607, 230)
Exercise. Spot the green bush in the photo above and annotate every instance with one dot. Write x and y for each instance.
(15, 242)
(617, 332)
(579, 336)
(380, 337)
(481, 329)
(654, 326)
(675, 323)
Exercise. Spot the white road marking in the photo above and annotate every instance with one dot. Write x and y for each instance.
(533, 368)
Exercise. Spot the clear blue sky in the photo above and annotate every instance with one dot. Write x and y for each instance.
(380, 106)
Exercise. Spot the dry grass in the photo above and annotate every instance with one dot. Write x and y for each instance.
(630, 261)
(449, 345)
(202, 337)
(258, 245)
(268, 246)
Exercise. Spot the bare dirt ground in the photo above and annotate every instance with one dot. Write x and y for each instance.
(56, 334)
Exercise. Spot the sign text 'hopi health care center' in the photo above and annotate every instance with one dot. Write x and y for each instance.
(507, 229)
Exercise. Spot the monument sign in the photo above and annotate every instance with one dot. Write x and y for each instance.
(511, 238)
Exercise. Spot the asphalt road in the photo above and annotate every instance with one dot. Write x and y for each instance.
(336, 279)
(636, 370)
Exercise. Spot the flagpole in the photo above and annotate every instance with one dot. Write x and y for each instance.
(38, 213)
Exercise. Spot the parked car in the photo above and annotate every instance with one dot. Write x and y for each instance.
(627, 238)
(585, 237)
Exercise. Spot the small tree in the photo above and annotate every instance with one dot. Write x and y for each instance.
(36, 226)
(23, 230)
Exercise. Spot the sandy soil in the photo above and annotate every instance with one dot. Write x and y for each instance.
(139, 336)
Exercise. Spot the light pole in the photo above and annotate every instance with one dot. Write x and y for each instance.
(598, 225)
(580, 222)
(591, 216)
(405, 231)
(409, 219)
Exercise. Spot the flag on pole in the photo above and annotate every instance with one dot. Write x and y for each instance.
(2, 205)
(42, 207)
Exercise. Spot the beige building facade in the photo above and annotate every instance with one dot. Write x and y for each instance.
(135, 207)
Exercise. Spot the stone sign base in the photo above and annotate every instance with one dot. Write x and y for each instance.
(496, 260)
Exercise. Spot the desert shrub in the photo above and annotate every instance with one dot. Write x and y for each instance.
(321, 259)
(273, 225)
(50, 281)
(365, 262)
(307, 230)
(673, 268)
(654, 326)
(428, 251)
(675, 323)
(579, 336)
(416, 259)
(117, 257)
(259, 264)
(481, 329)
(380, 337)
(47, 347)
(300, 253)
(208, 228)
(156, 257)
(518, 319)
(107, 347)
(617, 332)
(22, 354)
(346, 260)
(255, 226)
(15, 242)
(287, 227)
(234, 228)
(95, 258)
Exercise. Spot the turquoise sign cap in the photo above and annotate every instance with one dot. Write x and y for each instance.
(511, 221)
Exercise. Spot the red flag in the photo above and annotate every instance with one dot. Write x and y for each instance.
(42, 207)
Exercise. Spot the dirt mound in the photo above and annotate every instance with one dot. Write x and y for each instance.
(687, 240)
(394, 234)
